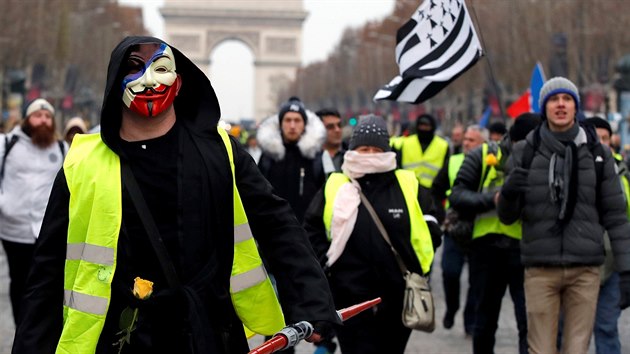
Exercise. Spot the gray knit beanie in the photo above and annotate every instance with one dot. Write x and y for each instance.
(371, 130)
(558, 85)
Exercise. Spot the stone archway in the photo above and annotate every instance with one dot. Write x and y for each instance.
(271, 29)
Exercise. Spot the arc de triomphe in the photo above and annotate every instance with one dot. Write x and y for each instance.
(271, 29)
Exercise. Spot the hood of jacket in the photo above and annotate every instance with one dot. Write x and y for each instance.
(270, 137)
(196, 104)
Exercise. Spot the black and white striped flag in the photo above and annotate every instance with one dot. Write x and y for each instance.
(433, 48)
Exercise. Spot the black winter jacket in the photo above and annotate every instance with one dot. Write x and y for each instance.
(579, 241)
(291, 168)
(465, 195)
(441, 185)
(295, 178)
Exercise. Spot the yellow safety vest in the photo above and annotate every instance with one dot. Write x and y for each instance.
(420, 235)
(625, 185)
(454, 164)
(425, 164)
(488, 222)
(92, 172)
(396, 142)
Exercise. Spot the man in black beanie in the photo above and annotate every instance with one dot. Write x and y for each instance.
(289, 141)
(564, 213)
(423, 152)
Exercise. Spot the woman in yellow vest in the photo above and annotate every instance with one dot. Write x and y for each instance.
(359, 263)
(204, 202)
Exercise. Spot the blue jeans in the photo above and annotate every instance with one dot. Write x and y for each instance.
(608, 312)
(453, 259)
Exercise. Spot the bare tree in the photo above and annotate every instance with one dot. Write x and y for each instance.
(580, 39)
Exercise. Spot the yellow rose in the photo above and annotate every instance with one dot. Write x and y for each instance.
(491, 160)
(142, 289)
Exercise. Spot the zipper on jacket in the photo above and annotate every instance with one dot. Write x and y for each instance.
(301, 181)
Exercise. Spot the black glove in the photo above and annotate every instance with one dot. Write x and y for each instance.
(624, 288)
(324, 329)
(515, 183)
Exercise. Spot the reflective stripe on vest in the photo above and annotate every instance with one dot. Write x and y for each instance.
(488, 222)
(454, 164)
(85, 303)
(253, 296)
(425, 164)
(420, 235)
(90, 253)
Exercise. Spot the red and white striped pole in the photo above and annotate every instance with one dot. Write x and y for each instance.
(289, 336)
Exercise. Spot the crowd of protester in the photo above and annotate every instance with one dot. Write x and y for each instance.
(538, 207)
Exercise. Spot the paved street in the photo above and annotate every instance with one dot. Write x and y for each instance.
(439, 342)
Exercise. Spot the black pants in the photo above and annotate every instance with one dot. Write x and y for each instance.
(19, 258)
(453, 259)
(495, 265)
(374, 333)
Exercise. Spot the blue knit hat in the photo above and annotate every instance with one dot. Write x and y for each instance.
(558, 85)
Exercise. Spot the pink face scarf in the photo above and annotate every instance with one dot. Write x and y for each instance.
(346, 205)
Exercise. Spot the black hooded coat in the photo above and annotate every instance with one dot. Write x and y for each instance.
(191, 202)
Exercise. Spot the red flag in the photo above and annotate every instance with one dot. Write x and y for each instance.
(519, 106)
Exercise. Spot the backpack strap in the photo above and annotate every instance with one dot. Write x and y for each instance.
(62, 147)
(8, 145)
(597, 150)
(529, 150)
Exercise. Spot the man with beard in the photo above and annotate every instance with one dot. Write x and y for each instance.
(424, 152)
(30, 160)
(163, 195)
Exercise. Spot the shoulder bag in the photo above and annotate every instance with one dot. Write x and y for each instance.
(418, 308)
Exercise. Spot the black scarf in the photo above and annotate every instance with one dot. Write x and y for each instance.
(563, 167)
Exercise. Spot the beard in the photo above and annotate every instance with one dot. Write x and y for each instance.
(42, 136)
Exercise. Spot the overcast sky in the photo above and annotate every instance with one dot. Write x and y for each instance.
(322, 30)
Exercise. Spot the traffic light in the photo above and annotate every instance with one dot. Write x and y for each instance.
(352, 121)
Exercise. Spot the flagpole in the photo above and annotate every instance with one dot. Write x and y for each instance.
(483, 44)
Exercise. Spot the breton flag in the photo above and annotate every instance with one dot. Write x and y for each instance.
(433, 48)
